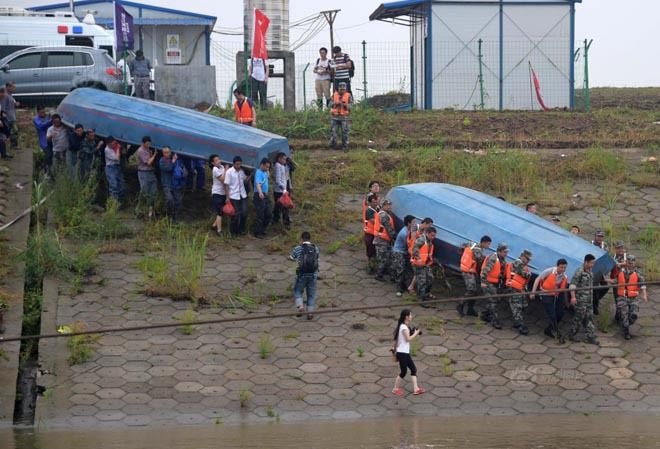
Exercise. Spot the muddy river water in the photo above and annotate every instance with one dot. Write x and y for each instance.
(612, 431)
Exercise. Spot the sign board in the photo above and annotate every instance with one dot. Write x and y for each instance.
(172, 49)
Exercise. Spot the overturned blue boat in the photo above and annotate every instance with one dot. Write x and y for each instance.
(464, 215)
(186, 131)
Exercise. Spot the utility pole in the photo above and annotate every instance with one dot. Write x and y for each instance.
(330, 18)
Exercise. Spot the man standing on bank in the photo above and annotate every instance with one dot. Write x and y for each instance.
(141, 71)
(259, 81)
(583, 279)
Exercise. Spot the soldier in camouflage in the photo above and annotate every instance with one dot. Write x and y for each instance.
(492, 280)
(516, 284)
(382, 242)
(471, 276)
(620, 259)
(422, 259)
(582, 300)
(630, 285)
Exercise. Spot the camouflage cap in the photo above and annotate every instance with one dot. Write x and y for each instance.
(599, 233)
(386, 202)
(502, 246)
(619, 244)
(555, 218)
(341, 85)
(526, 253)
(630, 258)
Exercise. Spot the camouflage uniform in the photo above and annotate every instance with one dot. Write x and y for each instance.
(384, 247)
(491, 289)
(627, 307)
(472, 286)
(518, 302)
(401, 270)
(584, 305)
(423, 274)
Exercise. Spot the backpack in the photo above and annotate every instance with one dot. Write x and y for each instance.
(179, 174)
(308, 262)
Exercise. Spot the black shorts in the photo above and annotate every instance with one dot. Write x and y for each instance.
(218, 202)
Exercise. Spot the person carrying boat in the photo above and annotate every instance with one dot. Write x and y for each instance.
(599, 241)
(400, 264)
(471, 260)
(620, 259)
(492, 282)
(244, 111)
(384, 235)
(630, 285)
(583, 279)
(517, 278)
(370, 209)
(550, 281)
(422, 260)
(416, 231)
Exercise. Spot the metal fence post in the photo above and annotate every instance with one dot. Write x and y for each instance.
(304, 77)
(587, 95)
(481, 76)
(364, 69)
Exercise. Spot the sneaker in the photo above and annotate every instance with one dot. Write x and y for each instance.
(523, 330)
(548, 332)
(397, 392)
(626, 334)
(496, 324)
(593, 341)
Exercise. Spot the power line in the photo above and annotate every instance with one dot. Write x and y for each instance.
(113, 330)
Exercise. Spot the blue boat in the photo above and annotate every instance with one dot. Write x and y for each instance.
(186, 131)
(464, 215)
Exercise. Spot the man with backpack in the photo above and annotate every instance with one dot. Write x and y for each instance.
(343, 69)
(307, 256)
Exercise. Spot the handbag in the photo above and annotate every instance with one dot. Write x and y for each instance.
(285, 201)
(228, 209)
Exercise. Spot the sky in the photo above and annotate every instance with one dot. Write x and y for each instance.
(626, 33)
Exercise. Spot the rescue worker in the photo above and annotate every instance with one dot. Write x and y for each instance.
(400, 262)
(492, 282)
(369, 217)
(471, 261)
(517, 278)
(415, 233)
(630, 284)
(341, 109)
(620, 258)
(551, 280)
(599, 241)
(582, 300)
(244, 111)
(422, 260)
(384, 235)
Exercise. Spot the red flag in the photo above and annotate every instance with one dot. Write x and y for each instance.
(537, 87)
(261, 23)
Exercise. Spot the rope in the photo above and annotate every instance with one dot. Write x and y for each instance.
(112, 330)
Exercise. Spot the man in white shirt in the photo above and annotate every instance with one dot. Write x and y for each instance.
(323, 79)
(259, 81)
(235, 180)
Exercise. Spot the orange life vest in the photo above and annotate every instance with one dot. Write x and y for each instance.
(549, 284)
(243, 112)
(513, 279)
(370, 224)
(341, 110)
(494, 275)
(630, 291)
(379, 229)
(425, 255)
(412, 238)
(468, 264)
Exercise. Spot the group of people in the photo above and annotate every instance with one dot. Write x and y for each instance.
(336, 72)
(409, 257)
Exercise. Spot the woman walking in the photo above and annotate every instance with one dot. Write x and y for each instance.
(402, 339)
(218, 195)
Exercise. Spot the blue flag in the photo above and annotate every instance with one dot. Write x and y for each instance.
(123, 29)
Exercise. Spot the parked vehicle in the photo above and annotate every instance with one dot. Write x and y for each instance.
(44, 74)
(21, 29)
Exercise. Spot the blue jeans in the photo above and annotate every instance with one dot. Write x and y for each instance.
(115, 181)
(148, 187)
(305, 282)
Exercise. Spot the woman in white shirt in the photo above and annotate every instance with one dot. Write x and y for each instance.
(403, 337)
(218, 196)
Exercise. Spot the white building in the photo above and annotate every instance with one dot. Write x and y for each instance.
(516, 36)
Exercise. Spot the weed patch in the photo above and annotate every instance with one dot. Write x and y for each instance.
(81, 347)
(188, 318)
(266, 346)
(244, 397)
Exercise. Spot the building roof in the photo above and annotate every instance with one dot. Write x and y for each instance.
(398, 11)
(148, 14)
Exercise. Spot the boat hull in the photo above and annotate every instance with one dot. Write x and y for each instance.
(186, 131)
(463, 215)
